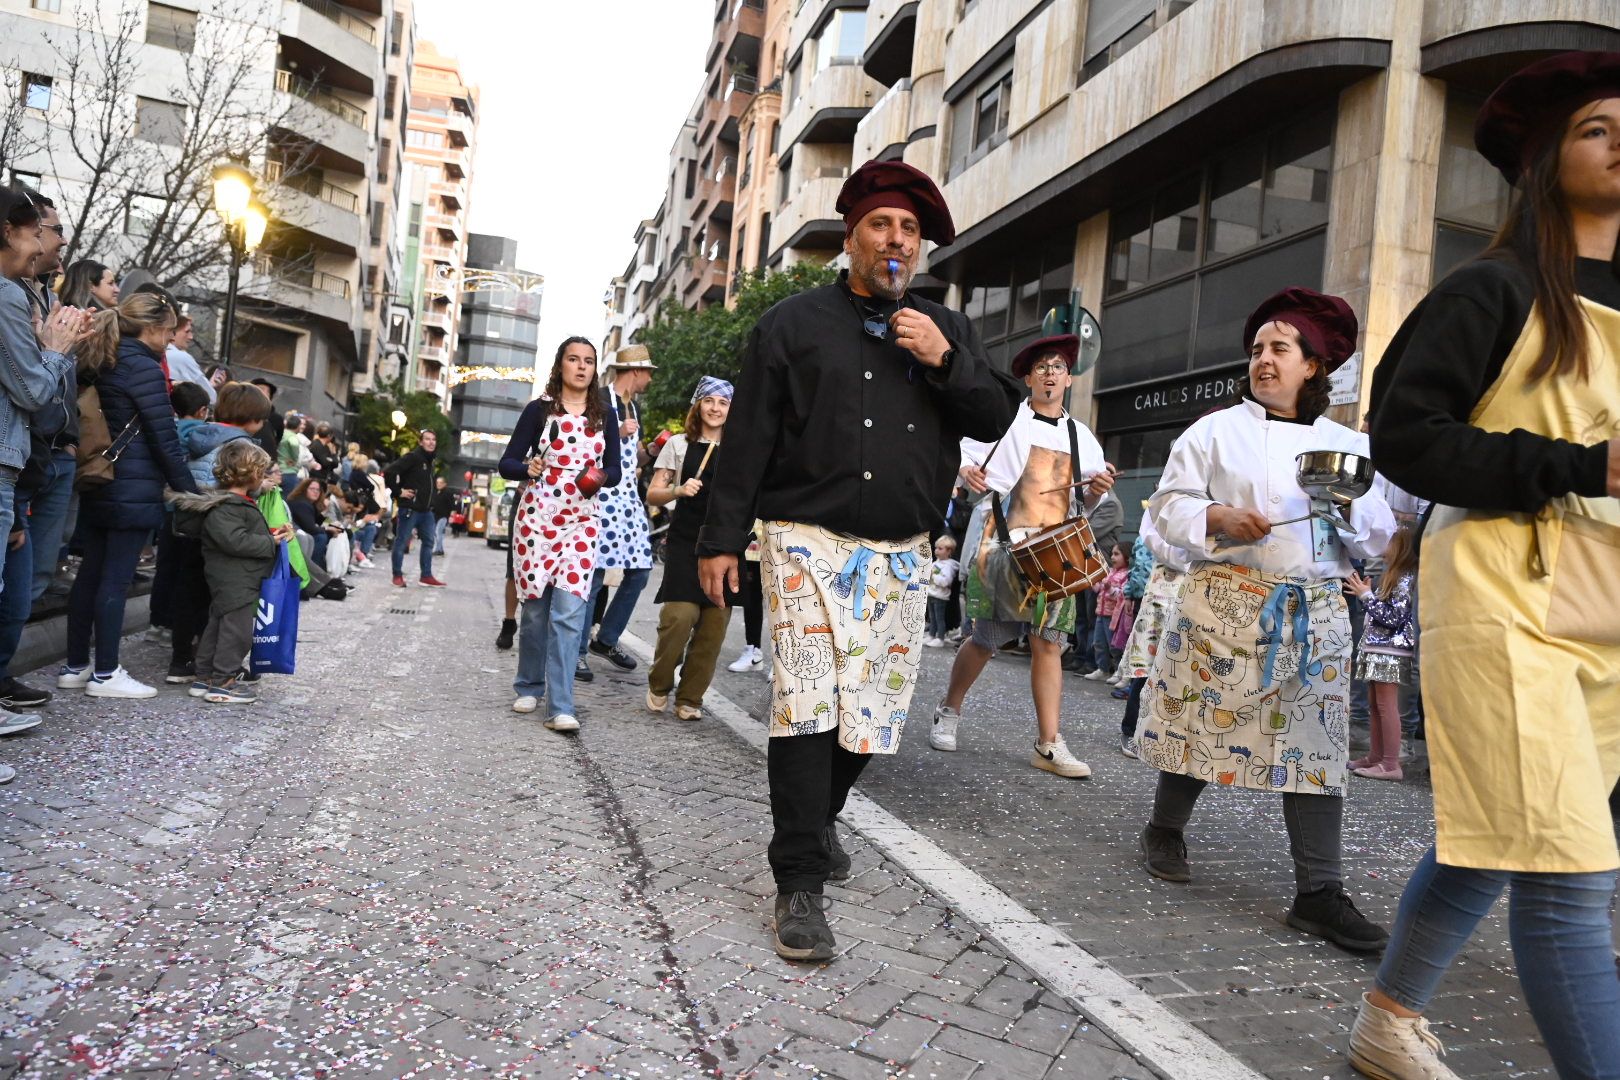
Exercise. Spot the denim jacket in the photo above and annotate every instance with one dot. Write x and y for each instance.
(32, 379)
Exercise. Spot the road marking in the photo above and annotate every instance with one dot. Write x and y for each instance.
(1165, 1042)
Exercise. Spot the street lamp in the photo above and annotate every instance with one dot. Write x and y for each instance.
(398, 417)
(245, 220)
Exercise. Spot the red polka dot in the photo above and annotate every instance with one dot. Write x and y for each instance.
(581, 546)
(569, 488)
(573, 578)
(556, 444)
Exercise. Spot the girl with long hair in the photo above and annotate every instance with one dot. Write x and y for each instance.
(122, 359)
(1499, 399)
(1384, 661)
(90, 285)
(691, 628)
(558, 452)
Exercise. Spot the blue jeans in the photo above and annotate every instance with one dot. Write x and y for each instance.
(47, 519)
(617, 616)
(365, 536)
(1101, 649)
(439, 526)
(99, 592)
(421, 523)
(547, 657)
(1559, 926)
(16, 601)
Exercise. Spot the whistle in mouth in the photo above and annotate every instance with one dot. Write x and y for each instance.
(894, 267)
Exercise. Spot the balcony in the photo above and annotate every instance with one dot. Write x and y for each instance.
(882, 133)
(738, 38)
(431, 354)
(707, 285)
(722, 112)
(446, 223)
(320, 116)
(830, 107)
(439, 253)
(320, 36)
(891, 34)
(453, 193)
(459, 126)
(434, 317)
(456, 162)
(436, 387)
(806, 219)
(295, 283)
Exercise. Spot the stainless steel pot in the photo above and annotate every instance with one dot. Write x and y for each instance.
(1334, 474)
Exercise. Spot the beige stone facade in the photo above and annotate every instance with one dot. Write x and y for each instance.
(441, 138)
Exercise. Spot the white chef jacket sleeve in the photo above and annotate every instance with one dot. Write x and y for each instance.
(1182, 497)
(1371, 526)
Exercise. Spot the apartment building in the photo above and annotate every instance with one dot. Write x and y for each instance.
(440, 139)
(758, 136)
(295, 93)
(390, 317)
(497, 357)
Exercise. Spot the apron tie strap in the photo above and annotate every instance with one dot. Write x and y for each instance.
(1272, 619)
(902, 564)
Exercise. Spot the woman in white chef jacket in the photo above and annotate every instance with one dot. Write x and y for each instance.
(1251, 681)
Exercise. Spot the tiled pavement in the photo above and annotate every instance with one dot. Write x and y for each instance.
(381, 871)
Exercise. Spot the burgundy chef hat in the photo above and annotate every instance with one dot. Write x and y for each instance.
(1530, 109)
(898, 185)
(1065, 345)
(1325, 323)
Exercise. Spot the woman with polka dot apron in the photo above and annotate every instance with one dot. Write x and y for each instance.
(557, 452)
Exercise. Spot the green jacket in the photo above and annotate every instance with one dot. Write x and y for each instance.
(274, 507)
(238, 550)
(288, 451)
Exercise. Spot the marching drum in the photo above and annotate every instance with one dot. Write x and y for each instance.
(1061, 560)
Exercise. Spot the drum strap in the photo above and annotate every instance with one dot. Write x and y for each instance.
(995, 497)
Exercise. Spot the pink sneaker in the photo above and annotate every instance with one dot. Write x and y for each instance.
(1362, 763)
(1380, 772)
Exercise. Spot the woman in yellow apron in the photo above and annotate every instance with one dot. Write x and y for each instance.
(1250, 683)
(1500, 400)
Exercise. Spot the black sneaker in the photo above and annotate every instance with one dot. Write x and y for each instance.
(181, 673)
(615, 656)
(582, 671)
(16, 695)
(1330, 913)
(1164, 853)
(837, 858)
(503, 640)
(802, 932)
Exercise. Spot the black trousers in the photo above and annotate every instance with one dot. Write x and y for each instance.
(192, 597)
(753, 601)
(810, 780)
(1133, 708)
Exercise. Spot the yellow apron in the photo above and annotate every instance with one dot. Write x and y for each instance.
(1520, 623)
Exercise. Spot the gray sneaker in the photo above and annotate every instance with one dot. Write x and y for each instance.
(11, 723)
(942, 734)
(802, 932)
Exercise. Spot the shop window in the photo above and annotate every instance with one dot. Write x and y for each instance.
(1145, 337)
(1227, 295)
(1128, 258)
(1173, 237)
(1006, 306)
(1471, 198)
(1299, 162)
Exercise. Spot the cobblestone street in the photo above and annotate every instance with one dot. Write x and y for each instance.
(382, 871)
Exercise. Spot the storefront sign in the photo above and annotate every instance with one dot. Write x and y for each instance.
(1347, 381)
(1177, 402)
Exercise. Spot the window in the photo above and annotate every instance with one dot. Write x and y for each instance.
(47, 5)
(141, 214)
(691, 178)
(430, 140)
(793, 85)
(171, 27)
(389, 95)
(160, 121)
(764, 240)
(979, 118)
(26, 179)
(842, 39)
(1298, 160)
(742, 243)
(1472, 198)
(396, 34)
(1007, 306)
(265, 347)
(1115, 27)
(36, 92)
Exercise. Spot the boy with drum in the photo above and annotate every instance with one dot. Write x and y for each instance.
(1032, 473)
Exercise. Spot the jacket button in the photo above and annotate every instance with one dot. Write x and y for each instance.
(866, 476)
(911, 427)
(868, 423)
(868, 374)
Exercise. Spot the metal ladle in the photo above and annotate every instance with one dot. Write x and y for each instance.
(1330, 474)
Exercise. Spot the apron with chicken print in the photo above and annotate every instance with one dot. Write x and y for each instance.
(845, 619)
(1250, 683)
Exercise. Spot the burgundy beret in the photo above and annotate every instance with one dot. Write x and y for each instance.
(898, 185)
(1065, 345)
(1323, 322)
(1533, 105)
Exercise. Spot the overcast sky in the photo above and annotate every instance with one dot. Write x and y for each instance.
(579, 105)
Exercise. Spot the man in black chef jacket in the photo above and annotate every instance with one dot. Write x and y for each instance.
(843, 439)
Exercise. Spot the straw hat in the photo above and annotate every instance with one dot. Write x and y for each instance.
(633, 358)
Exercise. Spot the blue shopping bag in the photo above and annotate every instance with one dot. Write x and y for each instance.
(275, 623)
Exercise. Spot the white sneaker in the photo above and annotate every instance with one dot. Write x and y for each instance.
(526, 703)
(11, 723)
(656, 702)
(73, 680)
(1054, 757)
(751, 659)
(1391, 1047)
(1095, 675)
(119, 684)
(7, 774)
(942, 733)
(934, 642)
(562, 722)
(1127, 746)
(687, 712)
(1118, 679)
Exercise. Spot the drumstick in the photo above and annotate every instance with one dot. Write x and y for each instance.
(704, 464)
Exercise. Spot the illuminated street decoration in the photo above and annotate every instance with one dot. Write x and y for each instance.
(480, 372)
(447, 280)
(470, 437)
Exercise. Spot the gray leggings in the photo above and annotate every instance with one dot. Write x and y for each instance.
(1315, 826)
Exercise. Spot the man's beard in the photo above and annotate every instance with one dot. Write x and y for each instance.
(875, 276)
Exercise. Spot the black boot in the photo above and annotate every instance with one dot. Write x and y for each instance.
(1164, 853)
(837, 857)
(802, 932)
(1330, 913)
(508, 631)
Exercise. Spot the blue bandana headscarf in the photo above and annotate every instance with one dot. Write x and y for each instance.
(709, 386)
